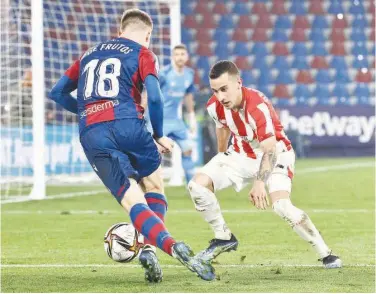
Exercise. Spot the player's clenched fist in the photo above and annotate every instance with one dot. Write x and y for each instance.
(258, 195)
(166, 143)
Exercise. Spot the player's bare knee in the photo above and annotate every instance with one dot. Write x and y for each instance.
(152, 187)
(278, 195)
(202, 180)
(286, 210)
(201, 191)
(153, 183)
(202, 197)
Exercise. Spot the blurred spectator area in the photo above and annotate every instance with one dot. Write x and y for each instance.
(297, 52)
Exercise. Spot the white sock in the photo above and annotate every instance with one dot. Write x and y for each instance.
(150, 247)
(302, 225)
(207, 204)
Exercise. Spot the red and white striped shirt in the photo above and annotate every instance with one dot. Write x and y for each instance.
(253, 123)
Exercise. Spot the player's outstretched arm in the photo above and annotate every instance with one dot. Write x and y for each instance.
(61, 92)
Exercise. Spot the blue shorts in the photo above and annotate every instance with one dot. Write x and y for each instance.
(118, 150)
(177, 131)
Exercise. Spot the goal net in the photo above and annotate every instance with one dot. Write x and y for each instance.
(69, 27)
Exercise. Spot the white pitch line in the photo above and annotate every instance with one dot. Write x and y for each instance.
(319, 169)
(59, 196)
(177, 211)
(168, 265)
(304, 171)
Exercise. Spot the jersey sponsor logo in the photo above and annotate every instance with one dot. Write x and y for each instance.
(99, 107)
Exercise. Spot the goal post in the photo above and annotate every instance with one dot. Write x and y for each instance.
(38, 190)
(40, 39)
(175, 26)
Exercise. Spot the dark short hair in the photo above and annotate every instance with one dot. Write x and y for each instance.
(222, 67)
(180, 46)
(135, 15)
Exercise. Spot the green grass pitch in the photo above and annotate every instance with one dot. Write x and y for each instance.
(57, 245)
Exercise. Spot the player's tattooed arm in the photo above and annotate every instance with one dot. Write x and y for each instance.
(268, 160)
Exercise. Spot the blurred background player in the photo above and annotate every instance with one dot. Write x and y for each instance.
(260, 152)
(109, 79)
(177, 85)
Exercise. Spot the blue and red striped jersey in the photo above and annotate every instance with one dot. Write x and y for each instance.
(109, 79)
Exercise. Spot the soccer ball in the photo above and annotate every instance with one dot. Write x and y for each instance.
(122, 242)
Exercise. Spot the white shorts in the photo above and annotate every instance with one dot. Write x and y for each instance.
(233, 169)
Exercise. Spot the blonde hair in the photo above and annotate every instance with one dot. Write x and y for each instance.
(135, 16)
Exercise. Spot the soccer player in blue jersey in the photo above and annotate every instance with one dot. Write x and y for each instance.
(109, 79)
(177, 85)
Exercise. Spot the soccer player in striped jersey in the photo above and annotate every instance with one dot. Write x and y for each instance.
(109, 79)
(260, 152)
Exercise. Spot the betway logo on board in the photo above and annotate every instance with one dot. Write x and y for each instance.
(322, 123)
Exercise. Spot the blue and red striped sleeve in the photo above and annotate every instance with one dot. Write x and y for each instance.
(74, 71)
(148, 69)
(148, 64)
